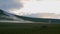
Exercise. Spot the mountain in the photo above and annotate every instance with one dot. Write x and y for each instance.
(46, 20)
(11, 18)
(3, 16)
(24, 19)
(1, 13)
(40, 20)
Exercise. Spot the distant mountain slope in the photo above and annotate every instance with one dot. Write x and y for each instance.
(1, 13)
(46, 20)
(4, 16)
(8, 18)
(24, 19)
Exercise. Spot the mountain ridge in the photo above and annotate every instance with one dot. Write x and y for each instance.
(4, 16)
(11, 19)
(27, 19)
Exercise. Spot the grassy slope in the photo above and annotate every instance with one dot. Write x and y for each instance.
(29, 28)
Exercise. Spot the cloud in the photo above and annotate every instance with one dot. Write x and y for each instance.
(24, 7)
(10, 4)
(45, 15)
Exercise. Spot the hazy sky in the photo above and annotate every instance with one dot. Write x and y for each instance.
(22, 7)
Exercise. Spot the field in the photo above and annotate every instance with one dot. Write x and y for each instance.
(29, 28)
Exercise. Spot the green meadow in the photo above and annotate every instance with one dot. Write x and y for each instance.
(29, 28)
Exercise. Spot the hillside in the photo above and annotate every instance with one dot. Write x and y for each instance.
(8, 18)
(46, 20)
(3, 16)
(24, 19)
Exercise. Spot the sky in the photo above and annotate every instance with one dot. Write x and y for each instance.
(27, 7)
(7, 5)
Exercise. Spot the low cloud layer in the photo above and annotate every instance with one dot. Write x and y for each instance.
(10, 4)
(45, 15)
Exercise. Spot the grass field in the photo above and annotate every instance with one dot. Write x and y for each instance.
(29, 28)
